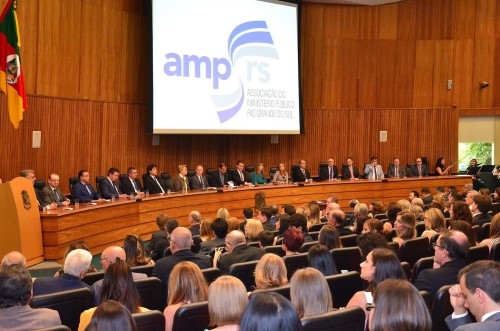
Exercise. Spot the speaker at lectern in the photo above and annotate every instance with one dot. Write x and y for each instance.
(20, 225)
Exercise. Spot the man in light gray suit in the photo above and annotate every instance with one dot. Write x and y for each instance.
(373, 170)
(479, 292)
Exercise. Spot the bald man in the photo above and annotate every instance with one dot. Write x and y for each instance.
(13, 258)
(237, 251)
(450, 250)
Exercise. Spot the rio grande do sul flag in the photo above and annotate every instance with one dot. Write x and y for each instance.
(11, 76)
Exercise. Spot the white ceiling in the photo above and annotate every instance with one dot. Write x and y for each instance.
(355, 2)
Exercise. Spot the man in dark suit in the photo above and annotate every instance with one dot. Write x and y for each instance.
(449, 257)
(76, 265)
(349, 171)
(131, 184)
(180, 246)
(220, 179)
(198, 181)
(301, 174)
(478, 293)
(237, 251)
(52, 193)
(480, 207)
(418, 169)
(264, 217)
(82, 190)
(109, 186)
(329, 172)
(194, 220)
(152, 182)
(336, 218)
(238, 176)
(396, 170)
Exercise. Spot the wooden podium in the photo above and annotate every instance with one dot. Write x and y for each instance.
(20, 220)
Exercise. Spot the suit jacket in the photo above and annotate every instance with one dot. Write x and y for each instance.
(324, 173)
(299, 176)
(65, 282)
(413, 172)
(240, 253)
(39, 200)
(465, 323)
(152, 186)
(195, 184)
(215, 180)
(27, 318)
(195, 229)
(207, 246)
(480, 219)
(431, 280)
(80, 192)
(346, 173)
(48, 196)
(391, 171)
(268, 225)
(369, 171)
(108, 189)
(234, 176)
(157, 245)
(127, 187)
(180, 183)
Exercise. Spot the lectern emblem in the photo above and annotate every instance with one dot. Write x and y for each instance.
(26, 199)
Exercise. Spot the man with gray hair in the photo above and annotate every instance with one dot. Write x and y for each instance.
(336, 218)
(13, 258)
(237, 251)
(194, 220)
(76, 264)
(30, 174)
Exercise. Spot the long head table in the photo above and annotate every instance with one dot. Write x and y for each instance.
(106, 223)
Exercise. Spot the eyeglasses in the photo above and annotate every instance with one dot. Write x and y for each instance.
(369, 306)
(434, 245)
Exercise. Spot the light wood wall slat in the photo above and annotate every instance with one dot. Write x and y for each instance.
(424, 72)
(496, 73)
(348, 82)
(388, 22)
(465, 19)
(367, 76)
(407, 19)
(405, 71)
(483, 71)
(425, 19)
(386, 74)
(350, 22)
(368, 22)
(485, 18)
(443, 70)
(463, 71)
(444, 13)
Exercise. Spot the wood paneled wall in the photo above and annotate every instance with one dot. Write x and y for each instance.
(364, 70)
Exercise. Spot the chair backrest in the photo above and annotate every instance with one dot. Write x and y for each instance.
(149, 321)
(254, 244)
(347, 258)
(407, 269)
(150, 290)
(316, 227)
(441, 308)
(314, 234)
(307, 246)
(380, 216)
(295, 262)
(495, 252)
(56, 328)
(293, 166)
(414, 249)
(433, 239)
(244, 271)
(277, 249)
(167, 179)
(144, 269)
(211, 274)
(350, 240)
(69, 304)
(420, 227)
(322, 165)
(98, 181)
(477, 253)
(475, 230)
(272, 171)
(394, 246)
(250, 168)
(484, 232)
(343, 286)
(73, 181)
(93, 277)
(283, 290)
(352, 319)
(192, 317)
(191, 173)
(427, 299)
(495, 207)
(421, 264)
(39, 184)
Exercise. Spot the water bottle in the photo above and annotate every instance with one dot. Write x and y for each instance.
(112, 199)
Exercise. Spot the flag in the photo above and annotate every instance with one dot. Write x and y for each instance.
(11, 76)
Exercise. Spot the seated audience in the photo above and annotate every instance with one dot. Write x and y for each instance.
(337, 218)
(405, 227)
(480, 207)
(266, 238)
(252, 230)
(13, 258)
(282, 224)
(258, 176)
(76, 265)
(398, 306)
(434, 222)
(223, 213)
(111, 315)
(369, 241)
(237, 251)
(194, 221)
(227, 299)
(289, 209)
(219, 228)
(460, 211)
(264, 216)
(329, 237)
(313, 214)
(270, 312)
(186, 285)
(376, 207)
(309, 293)
(159, 239)
(292, 241)
(118, 284)
(373, 225)
(299, 221)
(15, 295)
(71, 247)
(494, 237)
(270, 272)
(206, 231)
(393, 208)
(380, 264)
(466, 228)
(233, 224)
(320, 257)
(135, 251)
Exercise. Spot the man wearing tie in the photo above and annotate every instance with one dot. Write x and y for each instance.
(152, 182)
(349, 171)
(373, 170)
(395, 170)
(109, 186)
(52, 193)
(238, 176)
(130, 184)
(418, 169)
(330, 172)
(83, 191)
(301, 174)
(198, 181)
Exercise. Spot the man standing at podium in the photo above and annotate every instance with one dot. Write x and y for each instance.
(52, 193)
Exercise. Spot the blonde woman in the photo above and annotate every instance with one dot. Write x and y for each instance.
(181, 183)
(227, 299)
(223, 213)
(434, 222)
(270, 272)
(309, 293)
(405, 227)
(280, 176)
(313, 214)
(252, 230)
(233, 224)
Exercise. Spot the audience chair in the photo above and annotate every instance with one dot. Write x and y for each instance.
(343, 286)
(192, 317)
(484, 232)
(420, 227)
(153, 320)
(144, 269)
(272, 171)
(244, 271)
(307, 246)
(98, 181)
(283, 290)
(277, 249)
(475, 229)
(314, 235)
(295, 262)
(477, 253)
(394, 246)
(69, 304)
(150, 290)
(433, 239)
(56, 328)
(211, 274)
(391, 235)
(407, 269)
(352, 319)
(421, 264)
(441, 308)
(380, 216)
(495, 208)
(347, 258)
(93, 277)
(316, 227)
(427, 299)
(349, 240)
(254, 244)
(414, 249)
(495, 252)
